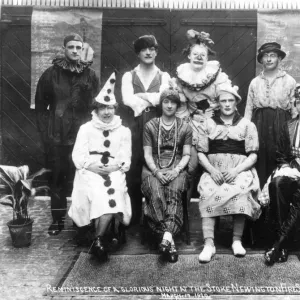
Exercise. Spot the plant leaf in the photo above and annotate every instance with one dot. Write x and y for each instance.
(41, 188)
(24, 170)
(39, 173)
(6, 204)
(4, 178)
(10, 197)
(27, 184)
(10, 173)
(4, 189)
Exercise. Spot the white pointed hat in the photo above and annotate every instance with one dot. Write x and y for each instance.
(106, 95)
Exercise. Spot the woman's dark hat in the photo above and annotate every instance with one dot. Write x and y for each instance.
(143, 42)
(270, 47)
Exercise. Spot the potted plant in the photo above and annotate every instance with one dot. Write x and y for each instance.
(16, 190)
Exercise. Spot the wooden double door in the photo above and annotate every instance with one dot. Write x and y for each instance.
(234, 34)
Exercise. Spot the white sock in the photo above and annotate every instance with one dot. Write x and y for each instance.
(172, 242)
(168, 236)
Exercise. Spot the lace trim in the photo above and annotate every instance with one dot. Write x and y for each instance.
(201, 86)
(77, 67)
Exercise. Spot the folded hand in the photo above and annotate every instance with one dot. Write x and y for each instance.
(217, 177)
(99, 168)
(162, 178)
(171, 175)
(230, 175)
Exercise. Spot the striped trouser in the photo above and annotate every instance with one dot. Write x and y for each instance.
(163, 207)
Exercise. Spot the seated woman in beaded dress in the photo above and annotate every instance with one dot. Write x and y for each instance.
(167, 143)
(102, 155)
(227, 147)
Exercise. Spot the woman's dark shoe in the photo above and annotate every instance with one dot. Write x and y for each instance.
(173, 255)
(56, 227)
(283, 257)
(164, 246)
(99, 250)
(272, 256)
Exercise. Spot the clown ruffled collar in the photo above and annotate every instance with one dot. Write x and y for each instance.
(114, 124)
(74, 67)
(201, 82)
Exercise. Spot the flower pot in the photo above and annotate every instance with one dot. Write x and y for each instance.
(20, 233)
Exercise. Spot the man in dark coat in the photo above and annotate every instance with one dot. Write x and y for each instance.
(282, 190)
(62, 102)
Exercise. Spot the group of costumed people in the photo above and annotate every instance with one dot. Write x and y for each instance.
(181, 125)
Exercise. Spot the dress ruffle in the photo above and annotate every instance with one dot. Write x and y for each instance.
(204, 80)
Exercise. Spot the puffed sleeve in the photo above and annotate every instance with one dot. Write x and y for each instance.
(124, 154)
(251, 138)
(249, 104)
(147, 135)
(203, 142)
(81, 155)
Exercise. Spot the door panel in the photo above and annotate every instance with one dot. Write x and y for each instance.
(234, 34)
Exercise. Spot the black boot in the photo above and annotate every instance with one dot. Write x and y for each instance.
(84, 235)
(290, 222)
(99, 250)
(277, 253)
(272, 255)
(56, 227)
(172, 254)
(283, 255)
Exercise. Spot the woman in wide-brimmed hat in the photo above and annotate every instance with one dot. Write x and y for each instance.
(269, 105)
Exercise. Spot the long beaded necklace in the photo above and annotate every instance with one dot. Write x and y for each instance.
(159, 143)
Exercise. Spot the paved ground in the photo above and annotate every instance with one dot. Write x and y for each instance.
(25, 273)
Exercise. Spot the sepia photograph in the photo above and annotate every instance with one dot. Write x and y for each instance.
(149, 149)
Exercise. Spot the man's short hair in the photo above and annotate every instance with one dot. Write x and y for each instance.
(145, 41)
(72, 37)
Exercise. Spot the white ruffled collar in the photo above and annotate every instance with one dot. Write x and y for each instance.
(114, 124)
(210, 71)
